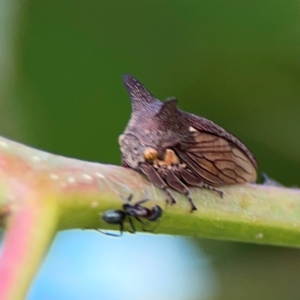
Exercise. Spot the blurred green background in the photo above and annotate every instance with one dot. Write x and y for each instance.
(234, 62)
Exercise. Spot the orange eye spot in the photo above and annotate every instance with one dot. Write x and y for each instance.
(171, 158)
(150, 154)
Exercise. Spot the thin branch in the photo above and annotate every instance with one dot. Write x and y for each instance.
(247, 213)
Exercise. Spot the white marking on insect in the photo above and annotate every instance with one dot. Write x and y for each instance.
(192, 129)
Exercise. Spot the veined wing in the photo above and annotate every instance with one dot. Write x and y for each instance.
(216, 160)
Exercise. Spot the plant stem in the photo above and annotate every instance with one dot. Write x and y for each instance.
(83, 190)
(41, 193)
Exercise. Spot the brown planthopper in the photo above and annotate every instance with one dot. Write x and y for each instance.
(176, 149)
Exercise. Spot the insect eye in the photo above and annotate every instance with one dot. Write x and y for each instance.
(150, 153)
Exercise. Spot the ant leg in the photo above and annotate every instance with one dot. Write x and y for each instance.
(142, 222)
(153, 228)
(132, 226)
(143, 200)
(110, 234)
(121, 228)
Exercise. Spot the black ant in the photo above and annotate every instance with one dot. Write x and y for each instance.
(136, 211)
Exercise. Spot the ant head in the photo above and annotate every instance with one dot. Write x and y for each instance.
(156, 213)
(114, 216)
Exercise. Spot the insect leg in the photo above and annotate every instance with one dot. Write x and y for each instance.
(132, 226)
(194, 181)
(211, 188)
(142, 222)
(151, 229)
(175, 183)
(121, 228)
(154, 177)
(143, 200)
(111, 234)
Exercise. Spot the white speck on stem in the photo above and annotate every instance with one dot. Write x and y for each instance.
(87, 176)
(35, 158)
(100, 175)
(259, 236)
(53, 176)
(94, 204)
(3, 144)
(71, 179)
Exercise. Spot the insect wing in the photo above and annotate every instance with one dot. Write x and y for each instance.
(216, 160)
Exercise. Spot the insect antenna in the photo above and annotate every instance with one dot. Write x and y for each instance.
(127, 199)
(143, 200)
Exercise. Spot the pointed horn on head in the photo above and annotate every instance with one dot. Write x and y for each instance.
(139, 95)
(169, 107)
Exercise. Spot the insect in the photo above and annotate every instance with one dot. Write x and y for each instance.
(136, 211)
(176, 149)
